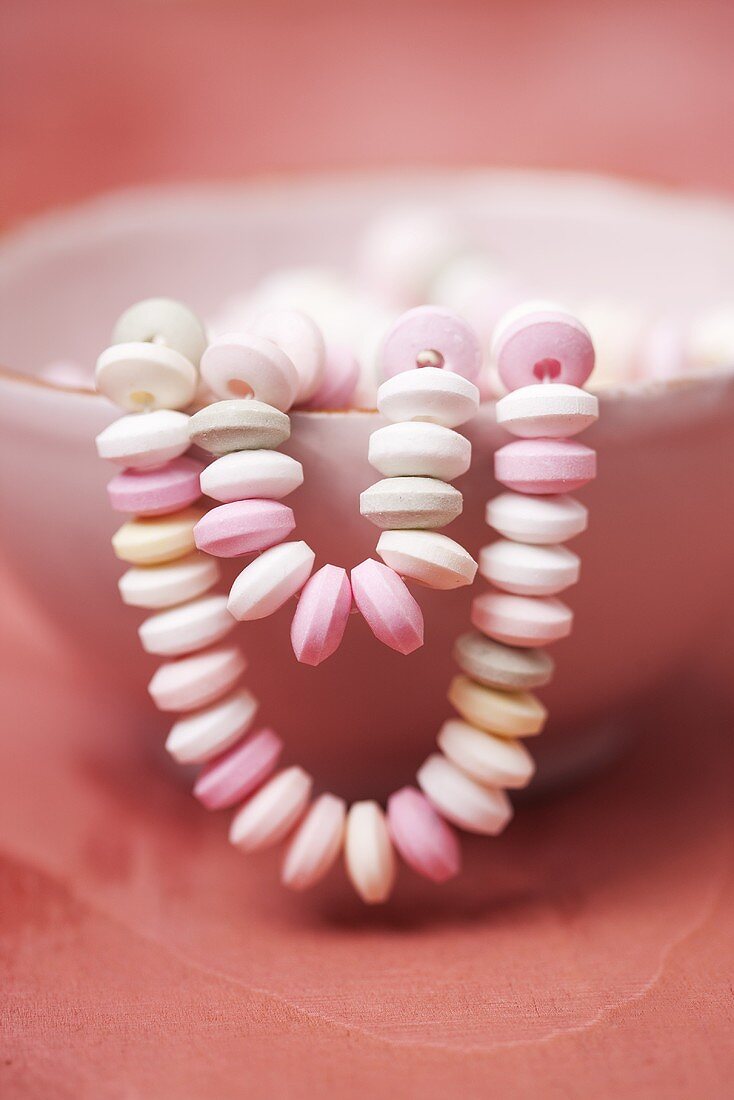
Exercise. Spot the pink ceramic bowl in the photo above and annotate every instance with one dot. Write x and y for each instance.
(657, 572)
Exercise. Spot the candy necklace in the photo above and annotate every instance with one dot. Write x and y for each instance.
(543, 358)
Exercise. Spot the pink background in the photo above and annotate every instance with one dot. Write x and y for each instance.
(592, 953)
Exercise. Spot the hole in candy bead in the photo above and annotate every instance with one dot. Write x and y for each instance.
(429, 358)
(545, 370)
(142, 399)
(239, 388)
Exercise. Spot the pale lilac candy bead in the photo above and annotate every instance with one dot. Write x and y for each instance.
(430, 336)
(321, 616)
(462, 801)
(156, 492)
(245, 365)
(316, 845)
(422, 837)
(544, 465)
(527, 621)
(545, 344)
(243, 527)
(341, 375)
(301, 340)
(390, 611)
(238, 772)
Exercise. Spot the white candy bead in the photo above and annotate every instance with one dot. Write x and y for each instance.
(368, 852)
(427, 557)
(410, 502)
(270, 580)
(159, 586)
(404, 249)
(140, 442)
(541, 520)
(143, 377)
(248, 475)
(529, 570)
(521, 620)
(200, 736)
(301, 340)
(549, 410)
(272, 812)
(197, 680)
(420, 449)
(245, 365)
(428, 393)
(162, 321)
(186, 628)
(474, 808)
(491, 761)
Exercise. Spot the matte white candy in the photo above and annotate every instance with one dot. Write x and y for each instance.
(316, 845)
(243, 424)
(247, 475)
(245, 365)
(162, 321)
(529, 570)
(143, 377)
(271, 813)
(368, 852)
(420, 449)
(477, 809)
(411, 502)
(427, 557)
(551, 410)
(205, 733)
(491, 761)
(266, 583)
(521, 620)
(186, 628)
(195, 681)
(541, 520)
(301, 340)
(158, 586)
(140, 442)
(428, 393)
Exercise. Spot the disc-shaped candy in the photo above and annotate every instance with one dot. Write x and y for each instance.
(490, 760)
(428, 393)
(410, 502)
(238, 772)
(368, 851)
(322, 614)
(552, 410)
(142, 442)
(159, 586)
(301, 340)
(387, 606)
(544, 465)
(316, 844)
(243, 527)
(197, 680)
(427, 557)
(422, 837)
(540, 520)
(205, 733)
(245, 365)
(419, 449)
(502, 666)
(238, 425)
(245, 475)
(186, 628)
(156, 492)
(144, 377)
(544, 345)
(529, 570)
(521, 620)
(431, 336)
(162, 321)
(506, 713)
(271, 813)
(266, 583)
(461, 800)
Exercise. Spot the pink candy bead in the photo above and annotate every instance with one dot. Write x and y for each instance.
(243, 527)
(544, 345)
(239, 772)
(156, 492)
(544, 465)
(316, 845)
(321, 616)
(424, 840)
(432, 329)
(525, 621)
(341, 374)
(391, 613)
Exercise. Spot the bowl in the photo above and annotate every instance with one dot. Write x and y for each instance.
(656, 574)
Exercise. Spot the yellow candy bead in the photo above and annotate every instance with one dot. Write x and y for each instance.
(509, 714)
(157, 539)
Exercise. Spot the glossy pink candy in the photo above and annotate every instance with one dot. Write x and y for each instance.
(321, 615)
(425, 841)
(544, 345)
(432, 329)
(243, 527)
(391, 613)
(156, 492)
(237, 773)
(544, 465)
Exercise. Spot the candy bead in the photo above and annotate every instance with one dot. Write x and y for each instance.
(419, 449)
(427, 557)
(550, 411)
(339, 382)
(508, 714)
(245, 475)
(162, 321)
(500, 666)
(206, 733)
(321, 616)
(271, 813)
(410, 502)
(546, 344)
(243, 527)
(432, 336)
(144, 377)
(462, 801)
(266, 583)
(186, 628)
(491, 761)
(194, 681)
(404, 248)
(387, 606)
(316, 845)
(428, 393)
(156, 540)
(141, 442)
(244, 425)
(422, 837)
(529, 570)
(542, 521)
(370, 859)
(245, 365)
(159, 586)
(301, 340)
(544, 465)
(521, 620)
(238, 772)
(156, 492)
